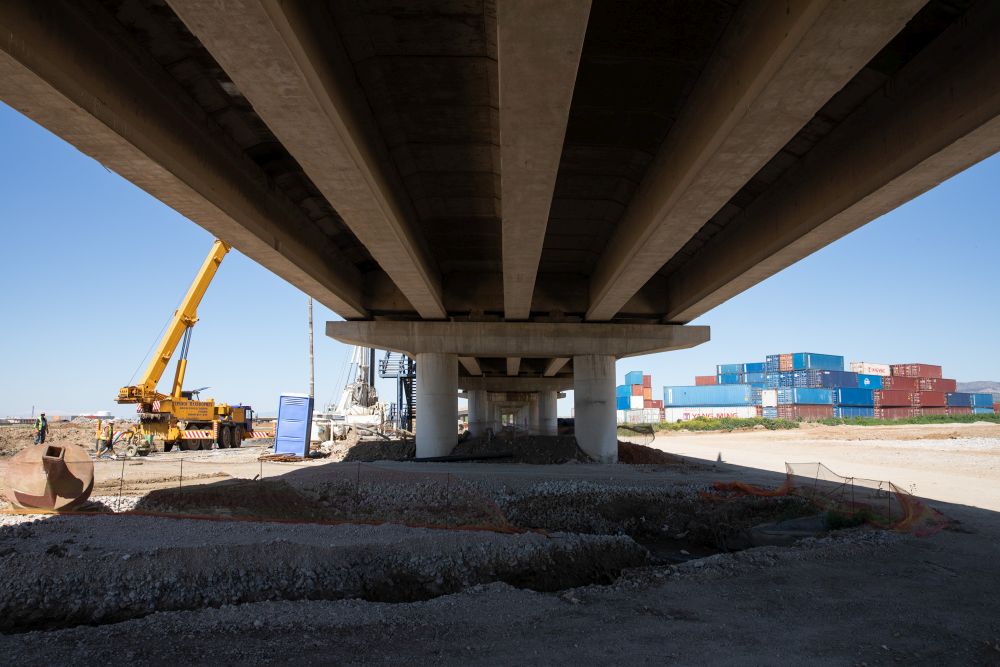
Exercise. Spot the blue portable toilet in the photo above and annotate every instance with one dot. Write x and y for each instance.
(291, 436)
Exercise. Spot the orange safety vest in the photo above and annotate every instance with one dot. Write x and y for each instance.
(98, 429)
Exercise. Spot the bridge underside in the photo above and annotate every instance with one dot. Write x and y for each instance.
(573, 164)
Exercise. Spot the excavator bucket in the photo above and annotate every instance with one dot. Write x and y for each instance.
(50, 477)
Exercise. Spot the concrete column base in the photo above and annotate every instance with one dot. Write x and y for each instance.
(594, 402)
(478, 413)
(437, 403)
(534, 426)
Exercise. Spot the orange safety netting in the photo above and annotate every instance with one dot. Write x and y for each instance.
(849, 499)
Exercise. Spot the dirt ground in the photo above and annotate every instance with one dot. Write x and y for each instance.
(569, 586)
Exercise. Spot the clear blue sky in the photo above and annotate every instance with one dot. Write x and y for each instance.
(93, 267)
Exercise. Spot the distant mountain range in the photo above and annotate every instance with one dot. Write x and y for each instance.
(981, 387)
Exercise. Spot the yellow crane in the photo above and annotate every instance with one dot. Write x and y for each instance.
(180, 417)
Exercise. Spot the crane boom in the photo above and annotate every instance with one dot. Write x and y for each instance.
(184, 318)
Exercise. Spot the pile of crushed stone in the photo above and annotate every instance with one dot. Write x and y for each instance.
(634, 454)
(534, 449)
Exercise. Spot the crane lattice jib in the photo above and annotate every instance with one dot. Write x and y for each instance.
(184, 318)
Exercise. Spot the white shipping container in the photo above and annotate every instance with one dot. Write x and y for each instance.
(769, 398)
(620, 414)
(635, 402)
(868, 368)
(684, 414)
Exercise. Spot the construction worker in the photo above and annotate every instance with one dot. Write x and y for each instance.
(41, 429)
(104, 441)
(98, 436)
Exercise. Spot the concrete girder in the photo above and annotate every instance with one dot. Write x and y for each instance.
(938, 115)
(555, 365)
(68, 68)
(513, 366)
(776, 66)
(518, 384)
(471, 365)
(538, 47)
(518, 339)
(302, 85)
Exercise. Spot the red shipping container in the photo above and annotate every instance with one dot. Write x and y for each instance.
(934, 410)
(928, 399)
(647, 381)
(648, 403)
(659, 404)
(955, 410)
(637, 390)
(785, 362)
(893, 413)
(892, 398)
(703, 380)
(805, 411)
(899, 382)
(916, 370)
(647, 393)
(937, 384)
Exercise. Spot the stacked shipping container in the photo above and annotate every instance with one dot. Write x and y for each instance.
(634, 400)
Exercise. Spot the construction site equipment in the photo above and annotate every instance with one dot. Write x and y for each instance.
(50, 477)
(404, 370)
(180, 418)
(358, 409)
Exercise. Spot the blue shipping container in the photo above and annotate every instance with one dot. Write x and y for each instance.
(729, 378)
(772, 363)
(869, 381)
(623, 390)
(633, 377)
(770, 413)
(803, 396)
(755, 367)
(291, 436)
(771, 380)
(853, 396)
(753, 378)
(848, 411)
(805, 360)
(622, 403)
(958, 400)
(727, 369)
(982, 411)
(815, 377)
(708, 395)
(982, 400)
(786, 379)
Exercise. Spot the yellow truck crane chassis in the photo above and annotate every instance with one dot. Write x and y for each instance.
(178, 418)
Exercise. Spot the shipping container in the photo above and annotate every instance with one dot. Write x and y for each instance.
(868, 368)
(937, 384)
(785, 362)
(728, 369)
(772, 363)
(899, 382)
(849, 411)
(916, 370)
(710, 396)
(769, 398)
(982, 400)
(891, 398)
(893, 412)
(870, 381)
(623, 390)
(729, 378)
(804, 396)
(959, 410)
(755, 367)
(658, 404)
(636, 389)
(805, 360)
(853, 396)
(704, 380)
(958, 400)
(923, 399)
(930, 411)
(771, 380)
(647, 393)
(983, 411)
(620, 416)
(647, 381)
(623, 402)
(805, 412)
(770, 413)
(753, 378)
(634, 377)
(635, 402)
(730, 412)
(815, 377)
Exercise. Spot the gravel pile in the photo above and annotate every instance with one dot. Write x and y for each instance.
(66, 571)
(535, 449)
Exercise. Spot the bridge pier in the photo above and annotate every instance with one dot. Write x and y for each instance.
(547, 415)
(479, 413)
(594, 403)
(437, 405)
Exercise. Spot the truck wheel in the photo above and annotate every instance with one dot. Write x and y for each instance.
(131, 449)
(237, 437)
(225, 437)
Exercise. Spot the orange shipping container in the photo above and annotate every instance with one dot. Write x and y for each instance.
(647, 381)
(703, 380)
(647, 393)
(637, 390)
(785, 362)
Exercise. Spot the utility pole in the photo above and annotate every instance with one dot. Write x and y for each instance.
(312, 370)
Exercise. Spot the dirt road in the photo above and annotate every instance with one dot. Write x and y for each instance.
(955, 463)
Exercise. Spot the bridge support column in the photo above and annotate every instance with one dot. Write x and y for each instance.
(534, 425)
(437, 405)
(479, 413)
(547, 422)
(594, 402)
